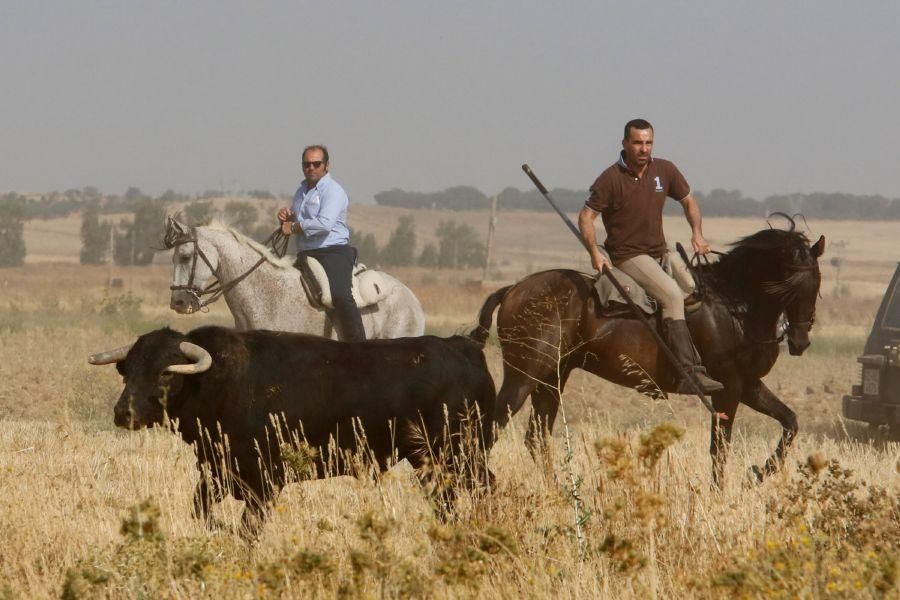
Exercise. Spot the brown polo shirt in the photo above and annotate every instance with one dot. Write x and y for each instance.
(631, 207)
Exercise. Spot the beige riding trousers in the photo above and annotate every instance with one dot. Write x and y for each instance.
(658, 277)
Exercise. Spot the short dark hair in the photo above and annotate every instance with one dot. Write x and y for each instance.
(316, 147)
(636, 124)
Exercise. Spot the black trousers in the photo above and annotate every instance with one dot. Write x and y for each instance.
(338, 263)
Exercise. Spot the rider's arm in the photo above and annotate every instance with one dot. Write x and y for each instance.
(679, 189)
(599, 199)
(333, 202)
(695, 220)
(586, 219)
(287, 216)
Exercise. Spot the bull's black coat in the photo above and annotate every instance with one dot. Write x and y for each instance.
(319, 388)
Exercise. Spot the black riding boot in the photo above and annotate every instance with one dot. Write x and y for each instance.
(350, 321)
(679, 339)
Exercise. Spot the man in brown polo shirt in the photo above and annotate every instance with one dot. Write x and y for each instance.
(629, 196)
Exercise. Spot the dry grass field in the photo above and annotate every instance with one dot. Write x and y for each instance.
(626, 511)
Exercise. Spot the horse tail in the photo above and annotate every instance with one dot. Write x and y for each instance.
(485, 316)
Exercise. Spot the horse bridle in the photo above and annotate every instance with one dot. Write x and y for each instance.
(695, 262)
(812, 319)
(780, 338)
(279, 243)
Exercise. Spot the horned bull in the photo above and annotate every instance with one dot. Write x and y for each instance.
(242, 398)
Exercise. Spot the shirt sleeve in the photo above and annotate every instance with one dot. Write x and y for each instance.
(333, 201)
(600, 195)
(678, 185)
(295, 203)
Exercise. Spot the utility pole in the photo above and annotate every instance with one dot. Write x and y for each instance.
(111, 259)
(489, 246)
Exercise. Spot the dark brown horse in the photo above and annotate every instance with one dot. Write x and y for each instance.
(549, 324)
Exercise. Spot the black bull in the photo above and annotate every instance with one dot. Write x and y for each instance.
(248, 400)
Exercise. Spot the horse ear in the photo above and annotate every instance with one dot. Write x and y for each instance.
(173, 224)
(818, 248)
(174, 230)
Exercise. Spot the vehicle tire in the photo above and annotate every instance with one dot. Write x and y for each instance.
(893, 432)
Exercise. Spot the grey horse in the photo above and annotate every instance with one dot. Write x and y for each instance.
(271, 296)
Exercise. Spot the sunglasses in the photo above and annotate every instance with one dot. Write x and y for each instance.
(315, 164)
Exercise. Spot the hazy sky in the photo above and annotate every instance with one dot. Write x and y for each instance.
(765, 97)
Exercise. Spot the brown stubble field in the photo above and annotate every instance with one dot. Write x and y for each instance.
(73, 486)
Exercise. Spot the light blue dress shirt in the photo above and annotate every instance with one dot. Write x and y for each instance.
(322, 214)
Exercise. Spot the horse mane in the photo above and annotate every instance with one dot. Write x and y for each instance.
(765, 240)
(732, 274)
(280, 262)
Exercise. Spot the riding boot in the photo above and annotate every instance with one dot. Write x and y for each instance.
(679, 340)
(350, 321)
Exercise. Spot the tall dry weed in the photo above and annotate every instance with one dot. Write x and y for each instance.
(654, 526)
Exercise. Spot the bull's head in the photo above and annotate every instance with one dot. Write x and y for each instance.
(153, 369)
(194, 264)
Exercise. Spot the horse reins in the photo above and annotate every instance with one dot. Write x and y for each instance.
(216, 289)
(694, 262)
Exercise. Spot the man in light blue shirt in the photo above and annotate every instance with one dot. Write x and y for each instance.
(318, 217)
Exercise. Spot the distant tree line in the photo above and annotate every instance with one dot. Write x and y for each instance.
(455, 198)
(136, 237)
(716, 203)
(135, 240)
(458, 247)
(54, 205)
(12, 222)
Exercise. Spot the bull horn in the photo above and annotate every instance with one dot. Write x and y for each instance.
(110, 356)
(202, 360)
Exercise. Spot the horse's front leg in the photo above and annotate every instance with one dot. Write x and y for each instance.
(761, 399)
(725, 402)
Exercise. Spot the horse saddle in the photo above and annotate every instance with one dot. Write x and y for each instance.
(368, 287)
(612, 304)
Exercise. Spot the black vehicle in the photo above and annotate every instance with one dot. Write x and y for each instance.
(876, 399)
